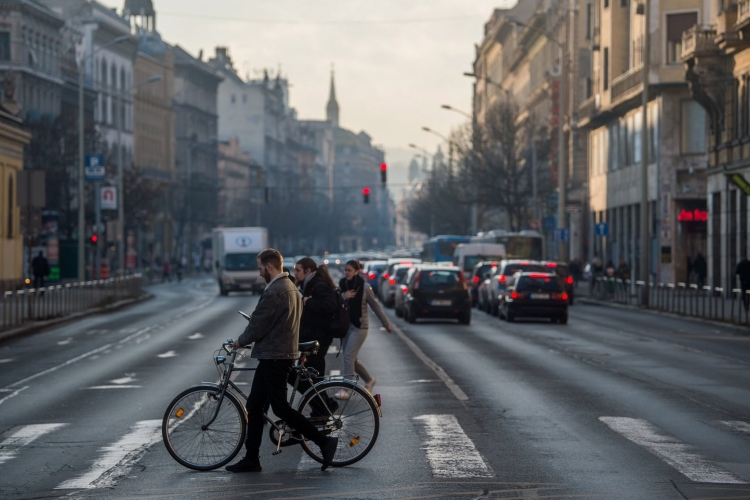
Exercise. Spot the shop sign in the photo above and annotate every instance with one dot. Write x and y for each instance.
(739, 181)
(696, 215)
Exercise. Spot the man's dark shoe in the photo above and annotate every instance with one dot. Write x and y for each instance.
(245, 465)
(328, 449)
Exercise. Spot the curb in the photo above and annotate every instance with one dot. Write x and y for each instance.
(594, 302)
(37, 326)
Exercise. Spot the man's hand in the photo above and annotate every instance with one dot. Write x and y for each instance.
(350, 294)
(388, 329)
(237, 345)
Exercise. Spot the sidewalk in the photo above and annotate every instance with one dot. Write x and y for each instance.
(703, 305)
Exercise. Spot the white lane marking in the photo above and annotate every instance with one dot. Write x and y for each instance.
(7, 360)
(66, 341)
(129, 377)
(307, 467)
(117, 458)
(332, 349)
(677, 454)
(195, 336)
(422, 381)
(97, 332)
(454, 388)
(449, 450)
(168, 354)
(334, 373)
(24, 436)
(114, 387)
(13, 393)
(738, 425)
(104, 347)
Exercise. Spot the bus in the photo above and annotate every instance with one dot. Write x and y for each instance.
(441, 248)
(525, 244)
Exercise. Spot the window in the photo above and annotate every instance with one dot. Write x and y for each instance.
(605, 68)
(623, 3)
(589, 20)
(693, 128)
(11, 204)
(606, 3)
(4, 46)
(676, 25)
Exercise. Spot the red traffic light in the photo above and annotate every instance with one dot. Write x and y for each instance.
(366, 191)
(383, 167)
(94, 238)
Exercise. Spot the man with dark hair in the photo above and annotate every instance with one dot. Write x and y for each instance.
(40, 269)
(274, 328)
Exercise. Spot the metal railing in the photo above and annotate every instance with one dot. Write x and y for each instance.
(685, 299)
(626, 82)
(36, 304)
(698, 40)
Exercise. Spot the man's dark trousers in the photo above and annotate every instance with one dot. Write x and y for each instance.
(38, 281)
(744, 287)
(270, 386)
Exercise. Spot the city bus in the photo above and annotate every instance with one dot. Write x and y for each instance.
(441, 248)
(525, 244)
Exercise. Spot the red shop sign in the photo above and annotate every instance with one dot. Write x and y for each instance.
(696, 215)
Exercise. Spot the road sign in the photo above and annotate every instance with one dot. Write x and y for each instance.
(601, 229)
(563, 234)
(95, 167)
(108, 198)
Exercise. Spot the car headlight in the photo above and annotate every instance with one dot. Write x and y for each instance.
(227, 280)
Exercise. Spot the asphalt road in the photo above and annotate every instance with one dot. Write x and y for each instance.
(617, 404)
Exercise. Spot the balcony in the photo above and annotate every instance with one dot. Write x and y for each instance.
(727, 36)
(588, 107)
(626, 83)
(743, 14)
(697, 41)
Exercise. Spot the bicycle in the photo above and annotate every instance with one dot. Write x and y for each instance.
(205, 426)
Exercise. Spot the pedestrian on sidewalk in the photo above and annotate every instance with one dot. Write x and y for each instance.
(166, 270)
(743, 271)
(40, 269)
(274, 328)
(700, 268)
(623, 273)
(358, 294)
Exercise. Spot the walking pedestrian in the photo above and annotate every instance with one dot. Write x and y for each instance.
(701, 269)
(165, 270)
(319, 306)
(274, 328)
(623, 273)
(743, 271)
(40, 269)
(359, 295)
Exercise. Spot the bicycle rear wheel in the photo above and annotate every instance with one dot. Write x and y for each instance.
(356, 421)
(200, 448)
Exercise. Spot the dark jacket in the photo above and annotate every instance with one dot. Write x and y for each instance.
(40, 266)
(274, 324)
(317, 311)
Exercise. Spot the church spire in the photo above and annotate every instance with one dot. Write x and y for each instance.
(332, 109)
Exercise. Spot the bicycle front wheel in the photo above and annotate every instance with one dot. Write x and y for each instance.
(355, 421)
(188, 439)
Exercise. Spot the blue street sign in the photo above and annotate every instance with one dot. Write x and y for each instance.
(549, 223)
(601, 229)
(563, 234)
(95, 167)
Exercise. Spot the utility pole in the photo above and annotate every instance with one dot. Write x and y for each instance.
(81, 174)
(645, 238)
(120, 185)
(561, 170)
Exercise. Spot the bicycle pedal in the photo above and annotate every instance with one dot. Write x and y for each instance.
(276, 452)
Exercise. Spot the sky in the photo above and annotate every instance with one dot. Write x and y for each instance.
(396, 61)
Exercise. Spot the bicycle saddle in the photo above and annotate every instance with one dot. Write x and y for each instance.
(307, 348)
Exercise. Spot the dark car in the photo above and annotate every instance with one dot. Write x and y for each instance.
(501, 278)
(402, 289)
(437, 292)
(477, 278)
(563, 271)
(371, 273)
(389, 287)
(536, 295)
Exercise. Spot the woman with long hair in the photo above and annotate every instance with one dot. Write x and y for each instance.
(359, 295)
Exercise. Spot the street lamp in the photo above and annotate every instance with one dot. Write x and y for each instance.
(427, 129)
(421, 150)
(561, 171)
(451, 108)
(120, 168)
(82, 158)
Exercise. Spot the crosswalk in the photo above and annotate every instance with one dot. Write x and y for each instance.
(446, 447)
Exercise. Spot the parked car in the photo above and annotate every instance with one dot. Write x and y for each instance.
(478, 275)
(563, 271)
(536, 295)
(390, 286)
(501, 278)
(437, 292)
(401, 291)
(371, 273)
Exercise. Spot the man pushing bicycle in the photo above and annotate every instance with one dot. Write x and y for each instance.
(274, 328)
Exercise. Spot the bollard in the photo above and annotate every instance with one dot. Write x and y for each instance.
(707, 291)
(719, 298)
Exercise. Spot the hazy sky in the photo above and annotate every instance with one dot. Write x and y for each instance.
(396, 61)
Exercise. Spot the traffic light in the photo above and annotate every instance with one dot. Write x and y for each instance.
(383, 173)
(94, 239)
(366, 194)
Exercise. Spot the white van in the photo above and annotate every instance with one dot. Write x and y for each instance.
(468, 255)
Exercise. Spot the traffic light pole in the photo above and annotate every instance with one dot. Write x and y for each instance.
(98, 231)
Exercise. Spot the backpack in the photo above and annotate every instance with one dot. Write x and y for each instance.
(340, 320)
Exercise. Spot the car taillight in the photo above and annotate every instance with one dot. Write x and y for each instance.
(404, 289)
(502, 279)
(392, 281)
(561, 296)
(569, 280)
(516, 295)
(551, 264)
(416, 280)
(476, 279)
(386, 276)
(371, 276)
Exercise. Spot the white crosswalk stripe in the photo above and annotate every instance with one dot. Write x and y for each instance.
(117, 458)
(738, 426)
(449, 450)
(679, 455)
(21, 437)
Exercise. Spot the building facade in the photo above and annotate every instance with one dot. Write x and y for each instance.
(241, 192)
(612, 117)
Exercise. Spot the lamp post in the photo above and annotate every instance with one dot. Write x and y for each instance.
(645, 240)
(82, 157)
(451, 108)
(120, 168)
